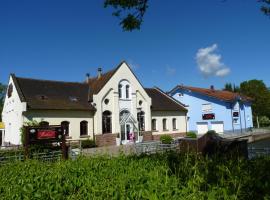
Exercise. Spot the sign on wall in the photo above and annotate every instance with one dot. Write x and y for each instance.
(41, 134)
(44, 135)
(208, 116)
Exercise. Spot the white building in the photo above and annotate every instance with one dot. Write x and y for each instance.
(111, 104)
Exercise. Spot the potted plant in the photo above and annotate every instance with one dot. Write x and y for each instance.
(118, 140)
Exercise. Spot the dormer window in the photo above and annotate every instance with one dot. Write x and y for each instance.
(120, 90)
(74, 99)
(43, 97)
(127, 91)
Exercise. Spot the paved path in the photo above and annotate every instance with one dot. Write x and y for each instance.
(110, 150)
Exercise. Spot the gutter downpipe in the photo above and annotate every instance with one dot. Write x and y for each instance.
(239, 110)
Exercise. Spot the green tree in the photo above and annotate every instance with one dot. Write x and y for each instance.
(257, 90)
(2, 97)
(228, 87)
(131, 12)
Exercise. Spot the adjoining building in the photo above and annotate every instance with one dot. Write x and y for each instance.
(210, 109)
(103, 107)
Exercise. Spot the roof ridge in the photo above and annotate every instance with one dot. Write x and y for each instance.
(168, 96)
(35, 79)
(109, 71)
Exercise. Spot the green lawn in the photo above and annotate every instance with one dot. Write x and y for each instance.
(167, 176)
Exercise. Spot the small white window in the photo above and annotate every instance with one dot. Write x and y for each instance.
(207, 107)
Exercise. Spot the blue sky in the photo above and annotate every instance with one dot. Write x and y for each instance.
(198, 43)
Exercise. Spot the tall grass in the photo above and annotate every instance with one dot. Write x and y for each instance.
(161, 176)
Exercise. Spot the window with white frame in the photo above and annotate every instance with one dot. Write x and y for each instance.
(127, 91)
(120, 90)
(154, 124)
(207, 107)
(174, 123)
(164, 124)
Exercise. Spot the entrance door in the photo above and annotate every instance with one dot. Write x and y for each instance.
(202, 127)
(126, 130)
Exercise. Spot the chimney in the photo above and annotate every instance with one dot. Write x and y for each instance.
(99, 72)
(212, 87)
(87, 77)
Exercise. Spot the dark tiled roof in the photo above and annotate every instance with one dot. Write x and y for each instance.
(55, 95)
(96, 84)
(163, 102)
(218, 94)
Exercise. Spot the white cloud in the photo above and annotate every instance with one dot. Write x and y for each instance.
(170, 70)
(209, 62)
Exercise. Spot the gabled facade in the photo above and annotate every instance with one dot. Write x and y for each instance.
(210, 109)
(113, 103)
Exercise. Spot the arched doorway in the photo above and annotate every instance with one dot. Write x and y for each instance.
(128, 129)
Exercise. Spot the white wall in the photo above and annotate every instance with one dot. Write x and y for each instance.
(55, 117)
(181, 125)
(110, 91)
(12, 116)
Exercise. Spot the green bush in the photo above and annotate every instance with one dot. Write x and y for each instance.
(88, 144)
(264, 121)
(211, 133)
(159, 176)
(191, 134)
(166, 139)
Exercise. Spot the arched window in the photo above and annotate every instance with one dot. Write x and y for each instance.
(127, 91)
(106, 122)
(141, 121)
(44, 123)
(65, 125)
(174, 123)
(83, 128)
(164, 124)
(120, 90)
(154, 124)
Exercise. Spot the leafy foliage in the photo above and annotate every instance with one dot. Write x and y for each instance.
(191, 134)
(231, 88)
(23, 131)
(265, 7)
(130, 12)
(166, 139)
(88, 143)
(2, 96)
(264, 121)
(160, 176)
(257, 90)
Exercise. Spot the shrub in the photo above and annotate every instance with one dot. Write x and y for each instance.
(159, 176)
(211, 133)
(23, 131)
(264, 121)
(166, 139)
(88, 144)
(191, 134)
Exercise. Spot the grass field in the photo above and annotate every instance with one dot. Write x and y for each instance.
(166, 176)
